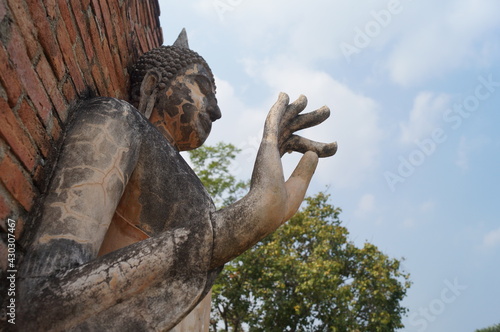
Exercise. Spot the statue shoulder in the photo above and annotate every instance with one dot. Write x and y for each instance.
(104, 112)
(106, 107)
(106, 104)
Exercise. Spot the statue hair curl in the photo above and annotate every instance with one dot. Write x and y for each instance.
(169, 61)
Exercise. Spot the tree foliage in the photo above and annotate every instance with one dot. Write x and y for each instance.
(211, 164)
(307, 276)
(494, 328)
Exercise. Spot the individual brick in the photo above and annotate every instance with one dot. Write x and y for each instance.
(84, 65)
(103, 63)
(81, 22)
(67, 18)
(99, 80)
(69, 56)
(96, 8)
(50, 84)
(15, 136)
(35, 128)
(19, 56)
(69, 91)
(112, 70)
(119, 38)
(24, 21)
(141, 39)
(56, 130)
(16, 182)
(47, 37)
(9, 78)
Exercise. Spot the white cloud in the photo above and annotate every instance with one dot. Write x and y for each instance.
(422, 41)
(353, 122)
(492, 239)
(443, 36)
(427, 110)
(307, 31)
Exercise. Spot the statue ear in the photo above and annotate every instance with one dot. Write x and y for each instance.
(149, 89)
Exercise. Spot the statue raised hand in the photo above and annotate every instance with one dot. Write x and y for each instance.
(272, 200)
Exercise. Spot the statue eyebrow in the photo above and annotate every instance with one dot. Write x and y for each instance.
(204, 83)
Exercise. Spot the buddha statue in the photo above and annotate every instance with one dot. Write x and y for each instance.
(128, 237)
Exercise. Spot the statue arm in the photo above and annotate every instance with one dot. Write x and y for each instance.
(135, 283)
(96, 159)
(271, 200)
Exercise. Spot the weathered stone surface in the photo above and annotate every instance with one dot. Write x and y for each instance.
(198, 319)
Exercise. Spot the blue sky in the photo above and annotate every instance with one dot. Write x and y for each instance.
(414, 91)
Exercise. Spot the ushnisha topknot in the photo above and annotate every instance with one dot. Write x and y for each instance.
(169, 61)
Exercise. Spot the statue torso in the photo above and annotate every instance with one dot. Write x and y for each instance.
(155, 190)
(162, 194)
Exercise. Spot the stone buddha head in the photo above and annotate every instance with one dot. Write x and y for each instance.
(175, 89)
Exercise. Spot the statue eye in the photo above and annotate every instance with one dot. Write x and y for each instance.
(205, 84)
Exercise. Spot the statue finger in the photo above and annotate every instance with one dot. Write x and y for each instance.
(302, 145)
(295, 108)
(309, 119)
(271, 127)
(298, 182)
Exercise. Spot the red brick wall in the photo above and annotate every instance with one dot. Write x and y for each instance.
(51, 53)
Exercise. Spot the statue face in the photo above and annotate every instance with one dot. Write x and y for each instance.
(185, 110)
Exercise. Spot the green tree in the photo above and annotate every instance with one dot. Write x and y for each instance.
(494, 328)
(307, 276)
(211, 164)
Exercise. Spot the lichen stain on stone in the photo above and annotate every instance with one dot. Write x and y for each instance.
(181, 235)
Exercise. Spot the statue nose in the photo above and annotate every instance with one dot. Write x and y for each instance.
(214, 112)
